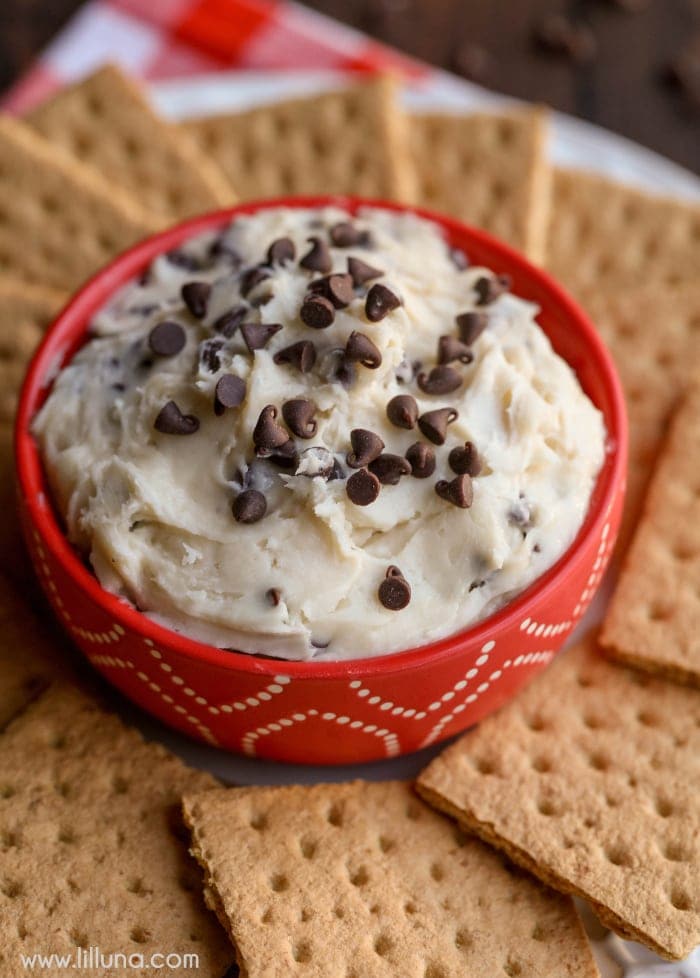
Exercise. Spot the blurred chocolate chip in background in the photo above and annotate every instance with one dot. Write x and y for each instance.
(471, 61)
(557, 35)
(682, 73)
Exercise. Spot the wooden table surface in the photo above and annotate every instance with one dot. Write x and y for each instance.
(619, 89)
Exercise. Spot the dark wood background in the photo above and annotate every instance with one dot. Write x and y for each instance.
(620, 89)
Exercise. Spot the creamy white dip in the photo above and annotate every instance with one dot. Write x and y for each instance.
(152, 510)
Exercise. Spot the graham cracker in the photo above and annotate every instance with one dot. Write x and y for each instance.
(362, 879)
(589, 780)
(93, 854)
(25, 312)
(653, 334)
(488, 170)
(105, 120)
(605, 236)
(59, 220)
(352, 141)
(653, 621)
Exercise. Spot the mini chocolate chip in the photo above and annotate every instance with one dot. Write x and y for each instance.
(389, 468)
(465, 458)
(402, 411)
(249, 506)
(299, 417)
(228, 393)
(281, 251)
(451, 349)
(360, 349)
(318, 258)
(440, 380)
(471, 325)
(228, 323)
(434, 424)
(366, 446)
(222, 249)
(457, 491)
(360, 272)
(394, 591)
(258, 335)
(317, 311)
(252, 277)
(336, 288)
(196, 296)
(171, 421)
(284, 457)
(210, 355)
(347, 235)
(273, 596)
(301, 355)
(421, 458)
(317, 461)
(556, 34)
(489, 288)
(380, 302)
(166, 339)
(362, 487)
(181, 259)
(268, 433)
(459, 259)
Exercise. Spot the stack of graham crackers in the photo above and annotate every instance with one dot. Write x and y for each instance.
(588, 780)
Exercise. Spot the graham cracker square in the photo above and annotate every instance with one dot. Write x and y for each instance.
(364, 880)
(589, 780)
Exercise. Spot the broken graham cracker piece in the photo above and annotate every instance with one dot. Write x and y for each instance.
(363, 879)
(605, 236)
(105, 120)
(89, 814)
(59, 220)
(653, 333)
(589, 780)
(25, 313)
(351, 141)
(653, 621)
(491, 171)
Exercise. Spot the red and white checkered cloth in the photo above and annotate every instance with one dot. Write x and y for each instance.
(174, 38)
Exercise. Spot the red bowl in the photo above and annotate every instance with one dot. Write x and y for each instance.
(326, 712)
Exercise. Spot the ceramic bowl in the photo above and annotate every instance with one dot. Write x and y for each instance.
(326, 712)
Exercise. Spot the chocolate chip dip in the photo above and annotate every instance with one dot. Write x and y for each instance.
(316, 436)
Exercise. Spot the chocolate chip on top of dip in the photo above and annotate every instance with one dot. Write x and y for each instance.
(317, 436)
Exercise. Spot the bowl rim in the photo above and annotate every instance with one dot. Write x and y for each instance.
(74, 319)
